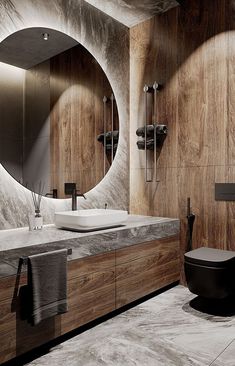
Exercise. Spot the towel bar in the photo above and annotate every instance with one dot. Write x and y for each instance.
(24, 259)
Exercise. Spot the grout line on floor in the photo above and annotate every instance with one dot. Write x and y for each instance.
(211, 364)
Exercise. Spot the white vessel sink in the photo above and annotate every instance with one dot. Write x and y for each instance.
(90, 219)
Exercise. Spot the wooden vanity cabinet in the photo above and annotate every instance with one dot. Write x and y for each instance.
(144, 268)
(97, 285)
(91, 290)
(91, 294)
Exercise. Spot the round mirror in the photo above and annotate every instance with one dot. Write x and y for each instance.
(59, 120)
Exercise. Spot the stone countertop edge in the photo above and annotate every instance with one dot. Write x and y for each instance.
(139, 229)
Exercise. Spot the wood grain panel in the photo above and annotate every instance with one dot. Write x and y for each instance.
(88, 265)
(89, 306)
(97, 285)
(161, 249)
(193, 54)
(11, 122)
(36, 140)
(91, 294)
(78, 85)
(9, 285)
(145, 268)
(143, 276)
(91, 290)
(226, 210)
(18, 336)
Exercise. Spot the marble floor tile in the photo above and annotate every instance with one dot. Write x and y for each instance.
(227, 357)
(163, 331)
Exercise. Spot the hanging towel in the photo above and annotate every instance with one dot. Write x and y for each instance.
(108, 136)
(109, 147)
(47, 284)
(149, 129)
(149, 144)
(160, 130)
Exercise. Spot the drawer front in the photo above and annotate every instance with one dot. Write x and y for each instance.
(141, 276)
(90, 295)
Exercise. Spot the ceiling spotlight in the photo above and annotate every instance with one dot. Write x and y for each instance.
(45, 36)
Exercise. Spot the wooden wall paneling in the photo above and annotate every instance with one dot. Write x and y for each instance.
(139, 47)
(158, 198)
(226, 209)
(36, 141)
(150, 51)
(77, 97)
(65, 121)
(86, 123)
(165, 196)
(210, 223)
(99, 90)
(231, 86)
(61, 117)
(197, 183)
(202, 122)
(140, 60)
(166, 44)
(192, 106)
(54, 126)
(195, 56)
(141, 193)
(231, 123)
(11, 122)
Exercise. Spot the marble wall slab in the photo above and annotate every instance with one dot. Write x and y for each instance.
(108, 42)
(132, 12)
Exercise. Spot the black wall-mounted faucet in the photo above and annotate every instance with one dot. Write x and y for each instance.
(53, 194)
(70, 189)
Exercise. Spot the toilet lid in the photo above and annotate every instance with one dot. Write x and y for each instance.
(209, 256)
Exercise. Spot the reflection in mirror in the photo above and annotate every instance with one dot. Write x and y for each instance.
(53, 118)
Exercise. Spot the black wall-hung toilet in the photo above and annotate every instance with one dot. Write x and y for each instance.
(210, 273)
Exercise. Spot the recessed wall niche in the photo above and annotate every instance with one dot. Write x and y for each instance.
(52, 113)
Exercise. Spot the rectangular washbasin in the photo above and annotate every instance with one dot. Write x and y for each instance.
(90, 219)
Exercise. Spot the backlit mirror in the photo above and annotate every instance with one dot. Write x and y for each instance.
(59, 121)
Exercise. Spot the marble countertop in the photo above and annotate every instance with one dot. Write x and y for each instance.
(22, 242)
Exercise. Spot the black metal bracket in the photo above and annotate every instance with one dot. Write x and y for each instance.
(24, 259)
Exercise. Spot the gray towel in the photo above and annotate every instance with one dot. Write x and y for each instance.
(47, 281)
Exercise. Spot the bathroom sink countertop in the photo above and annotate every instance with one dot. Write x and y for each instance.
(15, 243)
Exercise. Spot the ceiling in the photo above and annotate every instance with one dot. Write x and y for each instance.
(27, 48)
(132, 12)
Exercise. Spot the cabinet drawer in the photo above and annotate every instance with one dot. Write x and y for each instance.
(156, 247)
